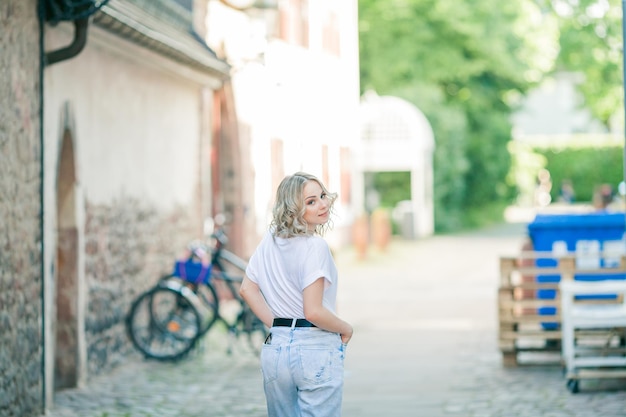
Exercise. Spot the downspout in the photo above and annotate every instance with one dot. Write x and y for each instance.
(73, 49)
(42, 292)
(47, 59)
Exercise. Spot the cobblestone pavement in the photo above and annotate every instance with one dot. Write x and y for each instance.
(425, 344)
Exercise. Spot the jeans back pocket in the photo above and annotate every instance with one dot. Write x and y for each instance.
(316, 363)
(270, 355)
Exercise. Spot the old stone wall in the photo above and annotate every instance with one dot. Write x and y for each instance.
(21, 375)
(128, 247)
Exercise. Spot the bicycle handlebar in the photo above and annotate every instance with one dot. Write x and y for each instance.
(220, 236)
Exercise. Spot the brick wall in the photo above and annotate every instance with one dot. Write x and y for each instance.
(21, 375)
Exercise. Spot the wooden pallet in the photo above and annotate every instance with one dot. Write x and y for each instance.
(523, 330)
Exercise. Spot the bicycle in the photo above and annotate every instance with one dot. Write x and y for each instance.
(167, 321)
(245, 321)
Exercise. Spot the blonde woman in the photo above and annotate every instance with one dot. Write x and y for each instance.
(291, 285)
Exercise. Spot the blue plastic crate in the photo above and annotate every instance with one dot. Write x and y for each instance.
(584, 234)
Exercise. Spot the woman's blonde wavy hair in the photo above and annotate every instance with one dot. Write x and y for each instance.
(288, 213)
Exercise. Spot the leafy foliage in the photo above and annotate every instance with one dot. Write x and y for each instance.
(462, 64)
(591, 44)
(586, 167)
(580, 166)
(467, 65)
(392, 186)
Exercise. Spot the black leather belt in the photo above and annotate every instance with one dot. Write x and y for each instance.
(282, 322)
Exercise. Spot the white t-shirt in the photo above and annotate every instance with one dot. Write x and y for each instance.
(284, 267)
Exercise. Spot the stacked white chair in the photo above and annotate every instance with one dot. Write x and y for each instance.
(606, 360)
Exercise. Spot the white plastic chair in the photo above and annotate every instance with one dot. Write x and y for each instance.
(599, 361)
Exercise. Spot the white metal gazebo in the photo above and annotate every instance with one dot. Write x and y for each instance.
(396, 136)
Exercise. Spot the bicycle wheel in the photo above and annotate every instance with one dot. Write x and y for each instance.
(205, 300)
(255, 331)
(210, 303)
(163, 324)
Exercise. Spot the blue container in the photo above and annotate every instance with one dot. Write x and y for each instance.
(192, 271)
(586, 235)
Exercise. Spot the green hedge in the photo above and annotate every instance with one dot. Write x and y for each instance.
(586, 167)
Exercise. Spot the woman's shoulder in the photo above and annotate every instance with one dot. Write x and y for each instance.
(311, 242)
(316, 242)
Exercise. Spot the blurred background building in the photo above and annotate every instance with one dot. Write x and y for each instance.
(295, 89)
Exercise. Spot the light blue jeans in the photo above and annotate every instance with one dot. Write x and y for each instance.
(303, 372)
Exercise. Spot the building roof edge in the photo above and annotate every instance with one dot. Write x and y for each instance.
(135, 25)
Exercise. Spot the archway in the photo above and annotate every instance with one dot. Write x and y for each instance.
(396, 138)
(65, 326)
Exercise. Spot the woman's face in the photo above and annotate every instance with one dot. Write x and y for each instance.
(316, 205)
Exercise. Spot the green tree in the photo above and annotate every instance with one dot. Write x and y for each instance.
(591, 44)
(463, 64)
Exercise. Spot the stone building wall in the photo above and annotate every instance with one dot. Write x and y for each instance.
(124, 242)
(21, 375)
(128, 247)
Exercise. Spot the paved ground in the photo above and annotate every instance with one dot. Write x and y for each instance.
(425, 345)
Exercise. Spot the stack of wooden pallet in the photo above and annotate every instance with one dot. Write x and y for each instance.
(529, 306)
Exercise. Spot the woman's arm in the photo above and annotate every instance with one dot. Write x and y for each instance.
(252, 295)
(316, 313)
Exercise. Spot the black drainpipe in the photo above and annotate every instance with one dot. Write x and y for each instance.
(76, 11)
(73, 49)
(46, 59)
(42, 22)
